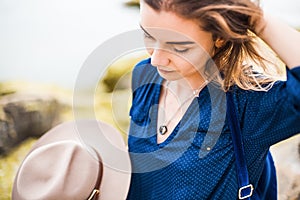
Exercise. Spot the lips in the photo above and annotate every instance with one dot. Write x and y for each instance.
(164, 70)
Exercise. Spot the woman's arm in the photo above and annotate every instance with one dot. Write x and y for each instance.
(283, 39)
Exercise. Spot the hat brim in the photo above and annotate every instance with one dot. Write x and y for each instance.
(99, 137)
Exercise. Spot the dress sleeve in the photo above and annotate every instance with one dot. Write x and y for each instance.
(138, 74)
(270, 117)
(293, 85)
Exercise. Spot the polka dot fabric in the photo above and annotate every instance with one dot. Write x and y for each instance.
(197, 160)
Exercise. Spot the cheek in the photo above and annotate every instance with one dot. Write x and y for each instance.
(195, 60)
(183, 64)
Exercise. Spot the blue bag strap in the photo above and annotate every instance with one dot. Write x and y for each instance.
(267, 184)
(245, 188)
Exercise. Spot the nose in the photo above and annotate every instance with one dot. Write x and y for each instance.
(159, 57)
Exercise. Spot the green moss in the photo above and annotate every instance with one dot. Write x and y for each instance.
(133, 3)
(9, 165)
(119, 68)
(4, 90)
(113, 108)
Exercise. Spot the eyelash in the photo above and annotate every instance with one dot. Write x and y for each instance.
(176, 50)
(181, 51)
(148, 36)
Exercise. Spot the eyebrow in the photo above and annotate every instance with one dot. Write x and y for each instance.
(172, 42)
(181, 43)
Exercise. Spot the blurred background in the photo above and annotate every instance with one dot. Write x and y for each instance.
(43, 45)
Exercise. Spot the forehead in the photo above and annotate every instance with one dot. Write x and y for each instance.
(169, 24)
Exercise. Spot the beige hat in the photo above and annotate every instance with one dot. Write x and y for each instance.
(84, 159)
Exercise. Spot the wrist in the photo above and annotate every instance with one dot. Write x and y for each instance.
(260, 25)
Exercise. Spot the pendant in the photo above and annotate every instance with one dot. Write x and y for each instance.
(163, 129)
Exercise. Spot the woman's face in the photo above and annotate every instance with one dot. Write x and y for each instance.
(178, 47)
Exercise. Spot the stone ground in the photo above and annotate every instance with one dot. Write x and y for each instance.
(286, 156)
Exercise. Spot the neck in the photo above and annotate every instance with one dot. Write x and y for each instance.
(186, 88)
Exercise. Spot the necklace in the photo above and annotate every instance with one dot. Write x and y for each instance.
(163, 129)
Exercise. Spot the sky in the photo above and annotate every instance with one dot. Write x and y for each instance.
(47, 41)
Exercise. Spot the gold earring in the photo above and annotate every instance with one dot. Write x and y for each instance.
(219, 43)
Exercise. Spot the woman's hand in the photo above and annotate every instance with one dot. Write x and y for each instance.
(283, 39)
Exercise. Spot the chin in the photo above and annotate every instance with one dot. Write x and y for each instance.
(170, 76)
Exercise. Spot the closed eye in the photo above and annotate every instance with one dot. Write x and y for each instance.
(181, 50)
(146, 35)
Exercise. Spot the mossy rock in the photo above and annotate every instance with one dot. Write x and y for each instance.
(28, 110)
(133, 3)
(118, 69)
(23, 116)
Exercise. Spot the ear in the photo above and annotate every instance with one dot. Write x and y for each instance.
(219, 42)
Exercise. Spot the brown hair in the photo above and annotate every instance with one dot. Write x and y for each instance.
(240, 59)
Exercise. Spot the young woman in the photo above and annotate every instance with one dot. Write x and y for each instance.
(180, 141)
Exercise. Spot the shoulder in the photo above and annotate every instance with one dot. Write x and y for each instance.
(281, 90)
(146, 83)
(250, 101)
(141, 66)
(257, 95)
(144, 73)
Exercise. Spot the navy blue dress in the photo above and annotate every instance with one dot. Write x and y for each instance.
(197, 160)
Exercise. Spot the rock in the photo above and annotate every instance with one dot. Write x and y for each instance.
(23, 116)
(286, 156)
(118, 73)
(29, 109)
(133, 2)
